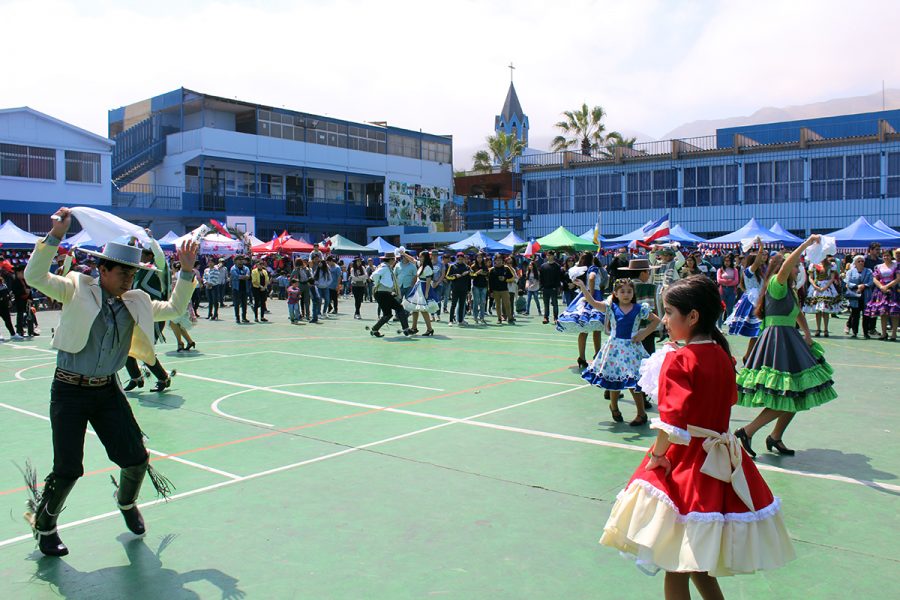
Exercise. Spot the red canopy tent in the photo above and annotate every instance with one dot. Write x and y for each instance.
(289, 245)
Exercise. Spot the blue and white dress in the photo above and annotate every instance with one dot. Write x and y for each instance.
(580, 316)
(742, 320)
(417, 301)
(618, 364)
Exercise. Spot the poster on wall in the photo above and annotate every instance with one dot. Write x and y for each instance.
(418, 205)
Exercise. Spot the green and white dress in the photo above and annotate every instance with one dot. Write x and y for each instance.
(783, 372)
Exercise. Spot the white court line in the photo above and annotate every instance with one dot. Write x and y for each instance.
(18, 374)
(272, 388)
(380, 364)
(36, 349)
(222, 484)
(150, 450)
(3, 361)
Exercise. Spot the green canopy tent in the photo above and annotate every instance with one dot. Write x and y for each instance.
(563, 239)
(344, 247)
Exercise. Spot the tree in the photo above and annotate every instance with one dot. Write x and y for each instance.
(502, 150)
(583, 128)
(617, 139)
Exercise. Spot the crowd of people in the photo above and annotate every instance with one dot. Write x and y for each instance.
(691, 494)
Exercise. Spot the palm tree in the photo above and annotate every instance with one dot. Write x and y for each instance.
(583, 128)
(502, 150)
(617, 139)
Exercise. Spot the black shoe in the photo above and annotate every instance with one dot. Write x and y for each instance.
(427, 333)
(647, 403)
(639, 421)
(133, 520)
(245, 321)
(264, 320)
(134, 383)
(582, 364)
(50, 544)
(162, 384)
(189, 346)
(773, 445)
(745, 441)
(376, 333)
(180, 347)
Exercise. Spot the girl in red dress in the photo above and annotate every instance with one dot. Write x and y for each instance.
(697, 507)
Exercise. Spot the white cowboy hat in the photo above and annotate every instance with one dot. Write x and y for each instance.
(122, 254)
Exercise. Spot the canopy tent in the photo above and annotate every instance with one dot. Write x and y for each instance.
(80, 240)
(786, 236)
(381, 246)
(563, 239)
(287, 247)
(213, 243)
(13, 237)
(683, 236)
(512, 240)
(861, 233)
(749, 231)
(881, 226)
(637, 234)
(589, 236)
(342, 246)
(481, 242)
(169, 238)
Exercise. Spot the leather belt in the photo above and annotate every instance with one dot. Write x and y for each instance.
(81, 380)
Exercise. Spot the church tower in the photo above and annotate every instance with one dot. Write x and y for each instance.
(512, 120)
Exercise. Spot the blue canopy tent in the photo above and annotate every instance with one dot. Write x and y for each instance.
(637, 234)
(683, 236)
(881, 226)
(786, 236)
(861, 233)
(512, 240)
(481, 242)
(589, 236)
(749, 231)
(382, 246)
(13, 237)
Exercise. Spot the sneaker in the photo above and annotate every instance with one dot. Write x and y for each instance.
(17, 338)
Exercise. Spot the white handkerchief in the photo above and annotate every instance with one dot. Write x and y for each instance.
(576, 272)
(104, 227)
(817, 252)
(747, 243)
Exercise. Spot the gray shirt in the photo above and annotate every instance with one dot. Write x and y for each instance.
(108, 342)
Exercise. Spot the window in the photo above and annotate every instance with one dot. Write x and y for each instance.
(610, 188)
(536, 196)
(773, 181)
(639, 189)
(827, 178)
(27, 161)
(435, 152)
(403, 145)
(586, 193)
(82, 167)
(893, 173)
(714, 185)
(862, 176)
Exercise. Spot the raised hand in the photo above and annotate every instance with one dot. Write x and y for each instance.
(62, 220)
(187, 255)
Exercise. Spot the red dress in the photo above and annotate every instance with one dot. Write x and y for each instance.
(713, 512)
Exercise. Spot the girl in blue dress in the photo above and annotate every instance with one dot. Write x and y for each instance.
(617, 366)
(743, 320)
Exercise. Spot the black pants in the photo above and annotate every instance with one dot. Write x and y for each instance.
(4, 314)
(259, 303)
(239, 298)
(333, 300)
(131, 365)
(359, 293)
(23, 319)
(853, 321)
(305, 296)
(550, 295)
(388, 303)
(214, 295)
(195, 298)
(868, 323)
(72, 407)
(458, 303)
(649, 343)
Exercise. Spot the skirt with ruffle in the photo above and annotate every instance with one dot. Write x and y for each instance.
(823, 301)
(646, 524)
(417, 301)
(783, 373)
(651, 367)
(581, 317)
(617, 366)
(884, 304)
(742, 320)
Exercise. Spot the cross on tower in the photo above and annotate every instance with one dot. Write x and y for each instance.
(511, 67)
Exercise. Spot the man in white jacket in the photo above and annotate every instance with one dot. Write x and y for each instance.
(103, 321)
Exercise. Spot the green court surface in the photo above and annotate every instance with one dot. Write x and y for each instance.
(315, 461)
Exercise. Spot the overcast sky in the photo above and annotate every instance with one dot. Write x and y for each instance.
(441, 66)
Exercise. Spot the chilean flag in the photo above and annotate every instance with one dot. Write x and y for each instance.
(532, 248)
(657, 229)
(220, 228)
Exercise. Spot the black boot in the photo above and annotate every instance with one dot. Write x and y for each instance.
(45, 507)
(127, 494)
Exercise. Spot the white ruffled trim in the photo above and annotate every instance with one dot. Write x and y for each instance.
(677, 435)
(743, 517)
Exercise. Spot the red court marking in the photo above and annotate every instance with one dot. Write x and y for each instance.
(315, 423)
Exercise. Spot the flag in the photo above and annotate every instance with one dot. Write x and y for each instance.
(326, 245)
(597, 231)
(657, 229)
(532, 248)
(221, 229)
